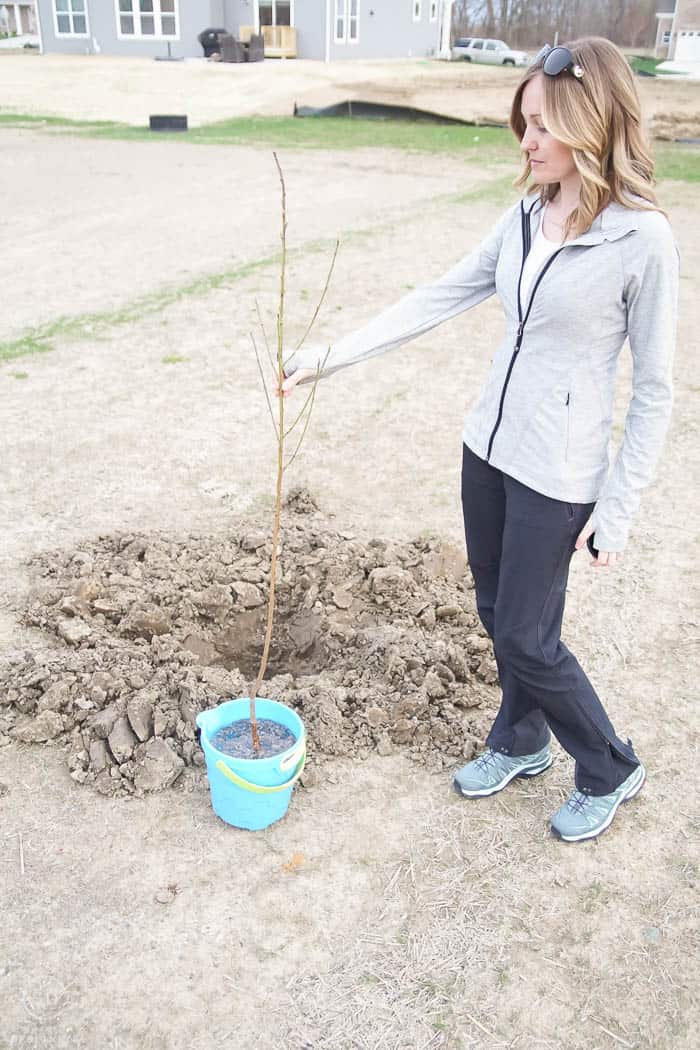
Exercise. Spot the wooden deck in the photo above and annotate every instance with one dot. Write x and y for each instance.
(280, 41)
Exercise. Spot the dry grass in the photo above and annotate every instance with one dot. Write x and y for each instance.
(490, 934)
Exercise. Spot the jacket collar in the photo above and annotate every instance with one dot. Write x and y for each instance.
(609, 225)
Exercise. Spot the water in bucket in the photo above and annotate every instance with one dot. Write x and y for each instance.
(237, 739)
(251, 792)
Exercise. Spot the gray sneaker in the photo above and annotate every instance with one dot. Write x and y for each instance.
(585, 816)
(491, 771)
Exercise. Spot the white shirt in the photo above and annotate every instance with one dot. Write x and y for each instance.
(540, 251)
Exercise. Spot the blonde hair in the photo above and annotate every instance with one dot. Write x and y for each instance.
(599, 118)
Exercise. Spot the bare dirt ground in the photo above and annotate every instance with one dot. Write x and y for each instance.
(383, 911)
(90, 87)
(209, 210)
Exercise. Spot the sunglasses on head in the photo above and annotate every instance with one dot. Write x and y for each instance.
(556, 60)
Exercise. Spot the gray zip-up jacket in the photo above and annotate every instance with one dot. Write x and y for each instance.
(544, 415)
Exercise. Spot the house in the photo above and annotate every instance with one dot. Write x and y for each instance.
(317, 29)
(18, 19)
(678, 33)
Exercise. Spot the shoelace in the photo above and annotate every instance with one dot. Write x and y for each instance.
(578, 802)
(487, 759)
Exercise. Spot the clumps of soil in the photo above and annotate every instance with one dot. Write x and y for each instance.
(376, 645)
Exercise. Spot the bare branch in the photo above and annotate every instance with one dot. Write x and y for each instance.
(308, 397)
(308, 417)
(267, 396)
(267, 345)
(319, 373)
(323, 296)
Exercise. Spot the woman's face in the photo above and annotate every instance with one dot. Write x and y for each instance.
(551, 160)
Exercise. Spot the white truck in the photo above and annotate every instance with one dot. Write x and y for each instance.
(495, 52)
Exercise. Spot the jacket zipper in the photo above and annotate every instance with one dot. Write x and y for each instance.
(526, 237)
(568, 424)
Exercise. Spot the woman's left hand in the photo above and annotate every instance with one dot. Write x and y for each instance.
(604, 557)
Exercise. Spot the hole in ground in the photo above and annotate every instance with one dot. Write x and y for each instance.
(297, 646)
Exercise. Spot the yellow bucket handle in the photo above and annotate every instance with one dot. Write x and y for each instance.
(258, 788)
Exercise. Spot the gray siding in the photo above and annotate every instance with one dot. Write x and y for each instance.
(311, 28)
(390, 31)
(195, 15)
(237, 13)
(218, 15)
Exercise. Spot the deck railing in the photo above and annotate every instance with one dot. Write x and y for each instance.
(280, 41)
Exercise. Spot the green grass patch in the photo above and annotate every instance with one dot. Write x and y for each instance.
(679, 161)
(173, 359)
(644, 64)
(334, 133)
(20, 375)
(22, 119)
(92, 325)
(31, 342)
(478, 145)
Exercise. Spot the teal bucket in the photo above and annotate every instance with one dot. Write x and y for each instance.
(251, 792)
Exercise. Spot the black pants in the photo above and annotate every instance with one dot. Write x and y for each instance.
(519, 545)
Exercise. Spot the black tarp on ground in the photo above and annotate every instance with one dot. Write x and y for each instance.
(382, 111)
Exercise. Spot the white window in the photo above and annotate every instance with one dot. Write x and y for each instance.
(433, 10)
(147, 19)
(346, 29)
(70, 18)
(417, 10)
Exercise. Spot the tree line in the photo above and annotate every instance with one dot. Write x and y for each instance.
(529, 23)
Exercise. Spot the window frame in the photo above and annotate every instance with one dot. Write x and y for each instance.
(273, 4)
(59, 33)
(336, 16)
(417, 10)
(347, 19)
(433, 10)
(157, 17)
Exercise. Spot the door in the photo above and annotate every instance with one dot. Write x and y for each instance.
(491, 52)
(476, 51)
(275, 12)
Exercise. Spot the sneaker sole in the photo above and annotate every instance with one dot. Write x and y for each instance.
(529, 771)
(594, 832)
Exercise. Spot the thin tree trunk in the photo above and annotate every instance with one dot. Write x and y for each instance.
(280, 435)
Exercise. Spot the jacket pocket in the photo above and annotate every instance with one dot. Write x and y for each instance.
(586, 430)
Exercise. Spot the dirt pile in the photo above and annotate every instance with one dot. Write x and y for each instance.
(377, 645)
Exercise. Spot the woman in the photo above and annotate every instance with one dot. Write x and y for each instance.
(579, 264)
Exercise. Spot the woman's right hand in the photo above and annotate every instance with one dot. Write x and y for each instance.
(291, 381)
